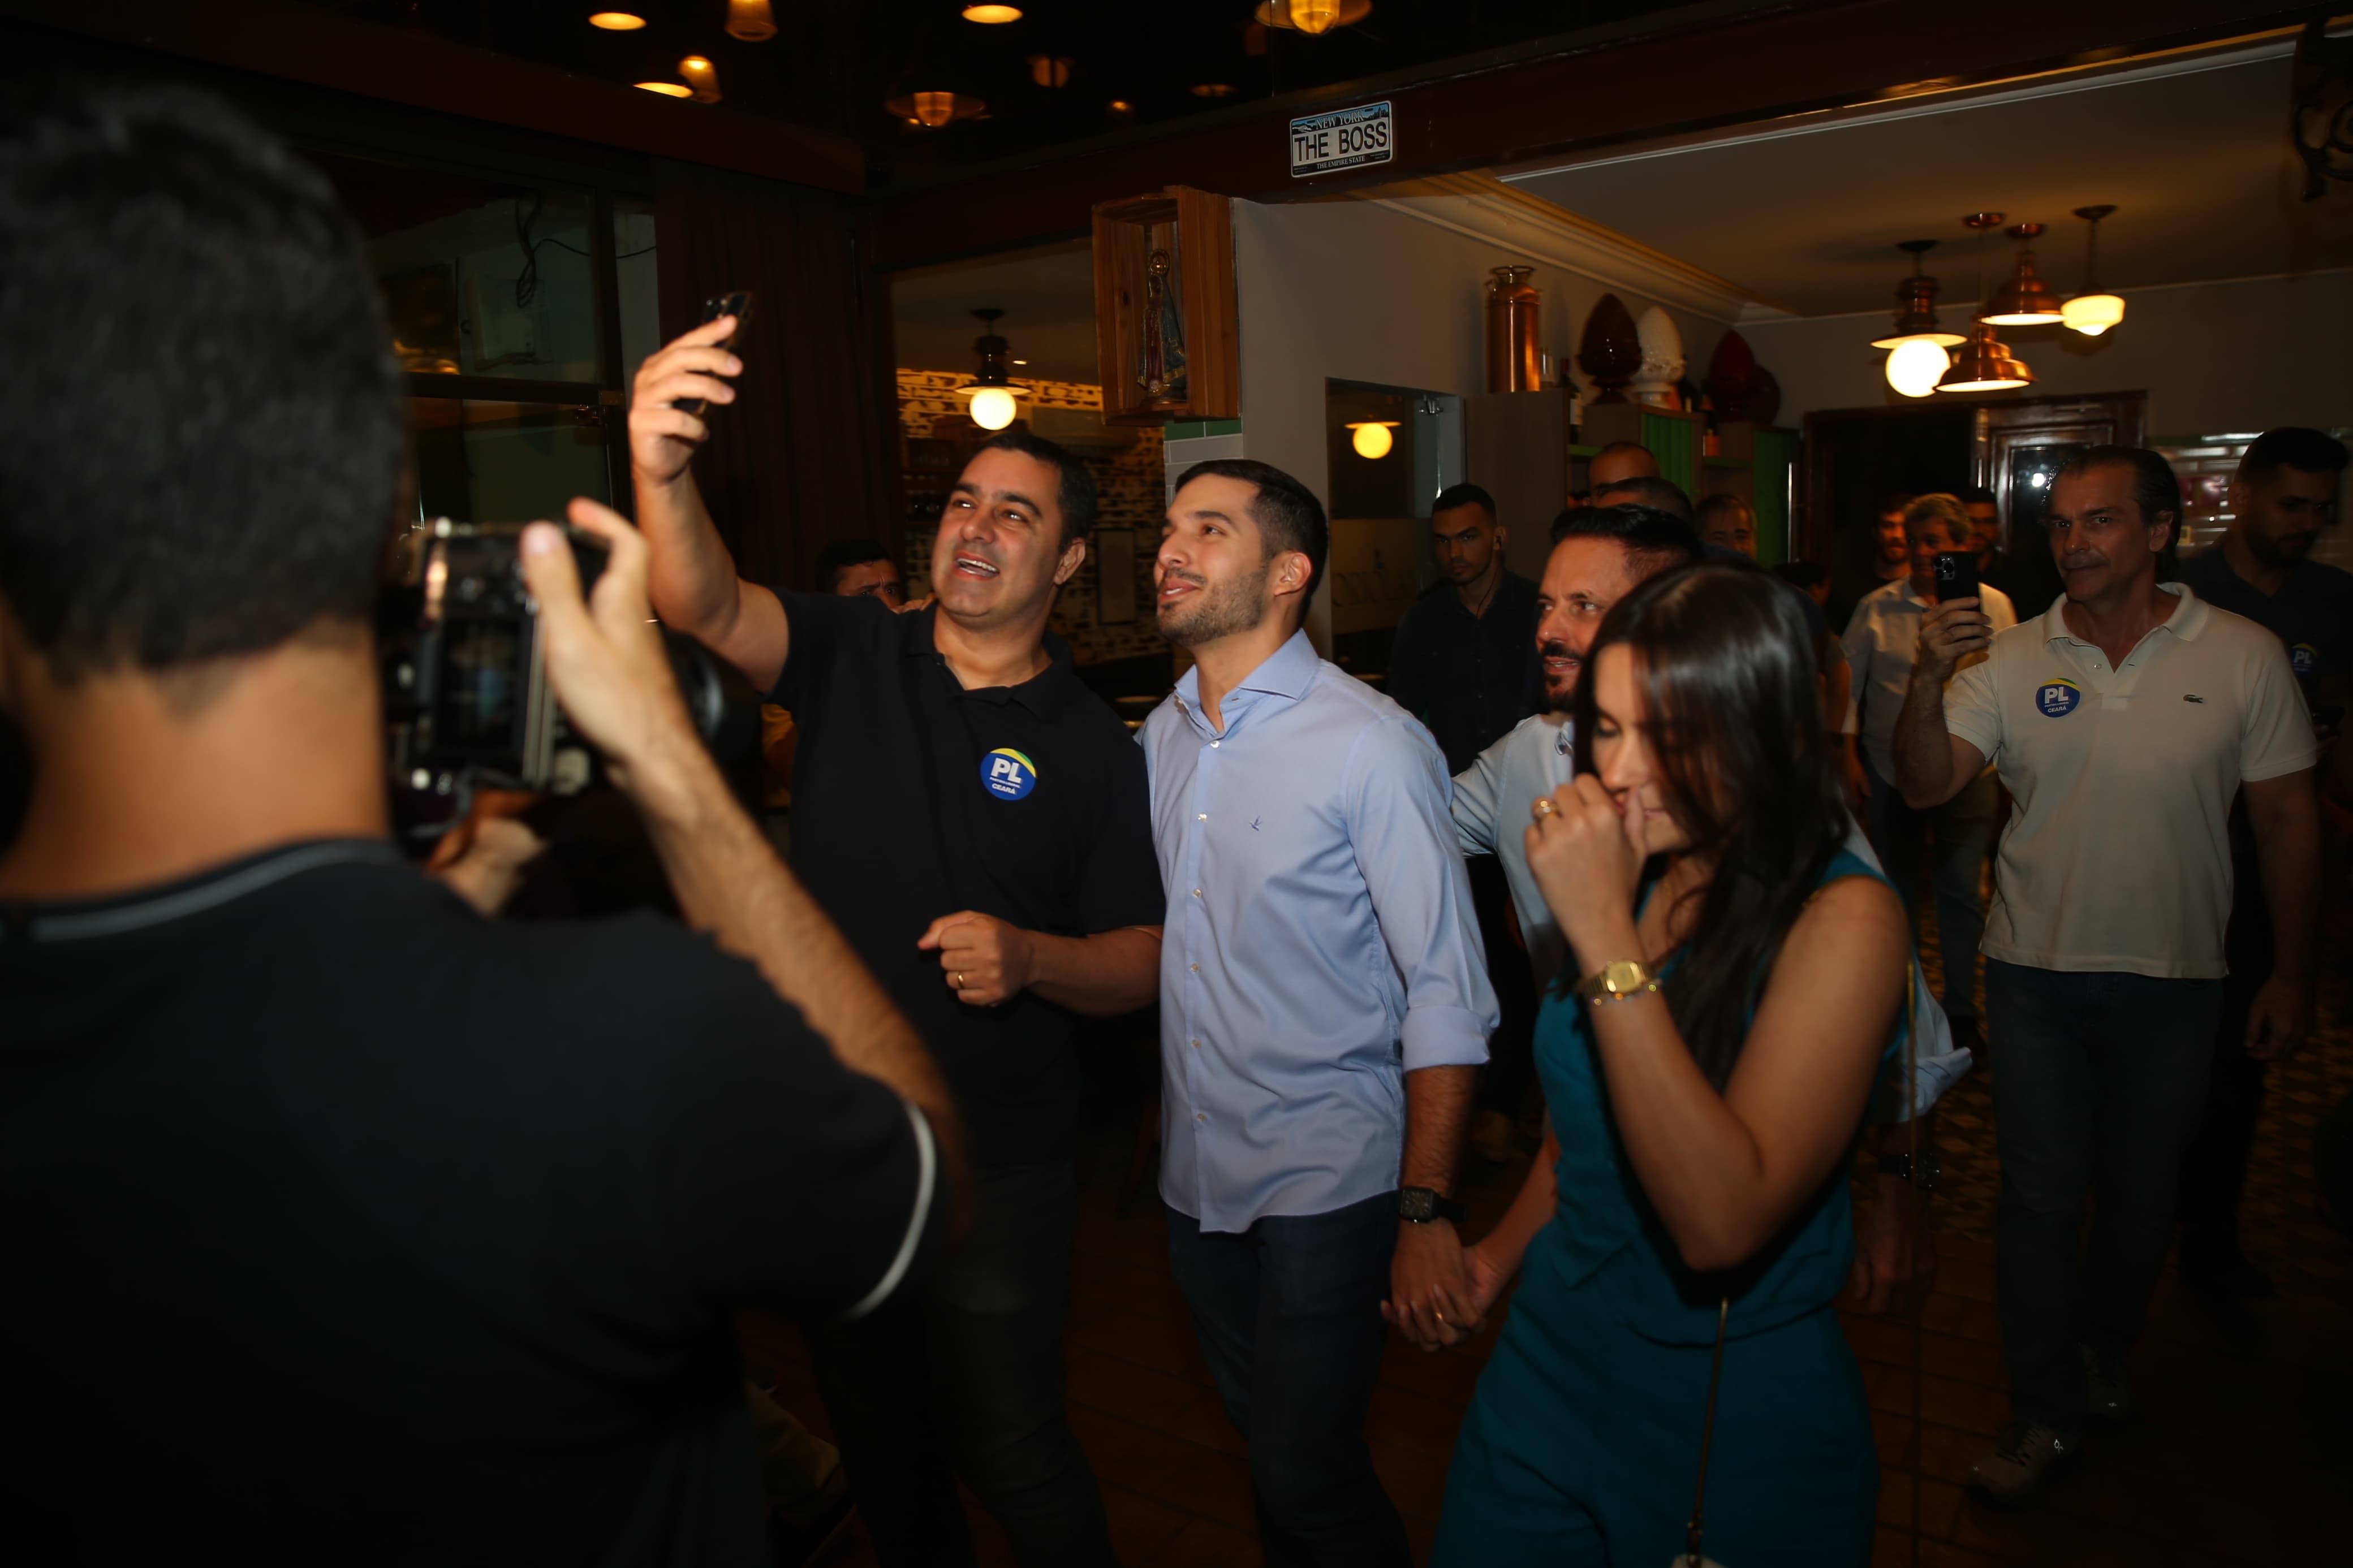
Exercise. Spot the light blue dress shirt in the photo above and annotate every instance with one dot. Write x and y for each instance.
(1320, 943)
(1494, 802)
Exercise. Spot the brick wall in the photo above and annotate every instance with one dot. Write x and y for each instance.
(1130, 486)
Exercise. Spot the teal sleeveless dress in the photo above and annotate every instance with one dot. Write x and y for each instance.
(1582, 1442)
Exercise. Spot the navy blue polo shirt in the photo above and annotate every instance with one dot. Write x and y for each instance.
(2311, 613)
(914, 798)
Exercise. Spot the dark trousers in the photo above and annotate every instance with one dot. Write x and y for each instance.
(1511, 1050)
(963, 1376)
(1288, 1313)
(2099, 1084)
(2214, 1170)
(1962, 829)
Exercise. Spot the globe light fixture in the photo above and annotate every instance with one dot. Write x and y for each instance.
(1916, 365)
(2092, 312)
(1371, 437)
(993, 408)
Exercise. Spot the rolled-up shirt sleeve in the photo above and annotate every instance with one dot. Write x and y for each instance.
(1397, 796)
(1973, 709)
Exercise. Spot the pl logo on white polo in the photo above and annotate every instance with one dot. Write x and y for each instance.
(1008, 775)
(2057, 699)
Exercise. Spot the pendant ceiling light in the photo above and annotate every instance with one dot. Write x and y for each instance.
(751, 20)
(1916, 306)
(1312, 16)
(934, 107)
(1984, 365)
(992, 396)
(1371, 437)
(2093, 312)
(616, 21)
(2025, 300)
(992, 16)
(701, 76)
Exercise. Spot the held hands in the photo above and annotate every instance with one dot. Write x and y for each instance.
(984, 959)
(1586, 851)
(605, 657)
(1949, 633)
(1435, 1295)
(663, 439)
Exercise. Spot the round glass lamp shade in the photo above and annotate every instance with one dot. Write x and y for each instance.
(1372, 440)
(1916, 365)
(992, 408)
(2092, 314)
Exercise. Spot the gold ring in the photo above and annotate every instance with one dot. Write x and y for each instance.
(1441, 1317)
(959, 980)
(1545, 807)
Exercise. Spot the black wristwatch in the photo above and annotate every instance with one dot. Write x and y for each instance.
(1924, 1177)
(1419, 1206)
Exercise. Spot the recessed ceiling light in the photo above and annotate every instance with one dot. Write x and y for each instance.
(1213, 89)
(668, 89)
(992, 16)
(616, 21)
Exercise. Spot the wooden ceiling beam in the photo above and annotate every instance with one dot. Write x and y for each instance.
(1689, 70)
(312, 45)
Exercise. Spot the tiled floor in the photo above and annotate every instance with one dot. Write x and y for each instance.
(2241, 1456)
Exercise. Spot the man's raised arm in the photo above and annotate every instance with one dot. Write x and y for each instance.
(694, 586)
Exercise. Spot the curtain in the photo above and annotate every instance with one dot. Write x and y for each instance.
(805, 454)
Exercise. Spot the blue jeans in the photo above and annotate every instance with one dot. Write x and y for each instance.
(1963, 830)
(1288, 1317)
(2098, 1083)
(961, 1374)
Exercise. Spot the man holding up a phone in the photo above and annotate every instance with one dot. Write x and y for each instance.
(979, 825)
(1883, 644)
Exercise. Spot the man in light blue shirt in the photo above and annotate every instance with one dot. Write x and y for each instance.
(1325, 1010)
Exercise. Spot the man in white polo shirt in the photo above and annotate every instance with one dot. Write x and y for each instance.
(2123, 721)
(1883, 644)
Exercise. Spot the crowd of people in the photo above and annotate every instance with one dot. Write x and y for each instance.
(453, 1211)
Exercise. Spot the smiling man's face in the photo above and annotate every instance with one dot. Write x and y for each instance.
(999, 549)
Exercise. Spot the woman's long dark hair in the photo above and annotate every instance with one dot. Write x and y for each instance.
(1733, 718)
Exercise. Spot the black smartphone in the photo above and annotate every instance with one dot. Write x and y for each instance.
(738, 304)
(1957, 575)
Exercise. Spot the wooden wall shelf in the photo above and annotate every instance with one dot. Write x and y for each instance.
(1197, 229)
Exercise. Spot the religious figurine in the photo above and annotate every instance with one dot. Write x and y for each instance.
(1164, 333)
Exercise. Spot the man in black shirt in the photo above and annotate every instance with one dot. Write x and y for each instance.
(1464, 662)
(447, 1224)
(979, 823)
(2284, 493)
(2024, 572)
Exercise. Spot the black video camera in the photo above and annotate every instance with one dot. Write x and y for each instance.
(466, 699)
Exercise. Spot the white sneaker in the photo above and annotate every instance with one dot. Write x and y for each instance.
(2015, 1473)
(2108, 1392)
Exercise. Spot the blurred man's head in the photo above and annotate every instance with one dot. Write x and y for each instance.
(1934, 525)
(1646, 489)
(1985, 521)
(2113, 515)
(1727, 522)
(1241, 551)
(850, 567)
(1888, 531)
(1464, 533)
(2285, 491)
(1599, 555)
(206, 436)
(1810, 578)
(1619, 460)
(1013, 531)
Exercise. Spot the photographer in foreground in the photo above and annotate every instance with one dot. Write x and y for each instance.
(440, 1225)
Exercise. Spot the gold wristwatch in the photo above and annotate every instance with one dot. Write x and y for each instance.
(1619, 980)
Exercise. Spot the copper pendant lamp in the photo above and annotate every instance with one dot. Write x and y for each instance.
(1984, 364)
(1916, 306)
(2025, 300)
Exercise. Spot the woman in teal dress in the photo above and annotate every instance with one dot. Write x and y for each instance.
(1706, 1080)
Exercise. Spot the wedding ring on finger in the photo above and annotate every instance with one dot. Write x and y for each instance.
(1545, 807)
(959, 979)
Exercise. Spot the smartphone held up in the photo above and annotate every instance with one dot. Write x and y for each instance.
(1957, 576)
